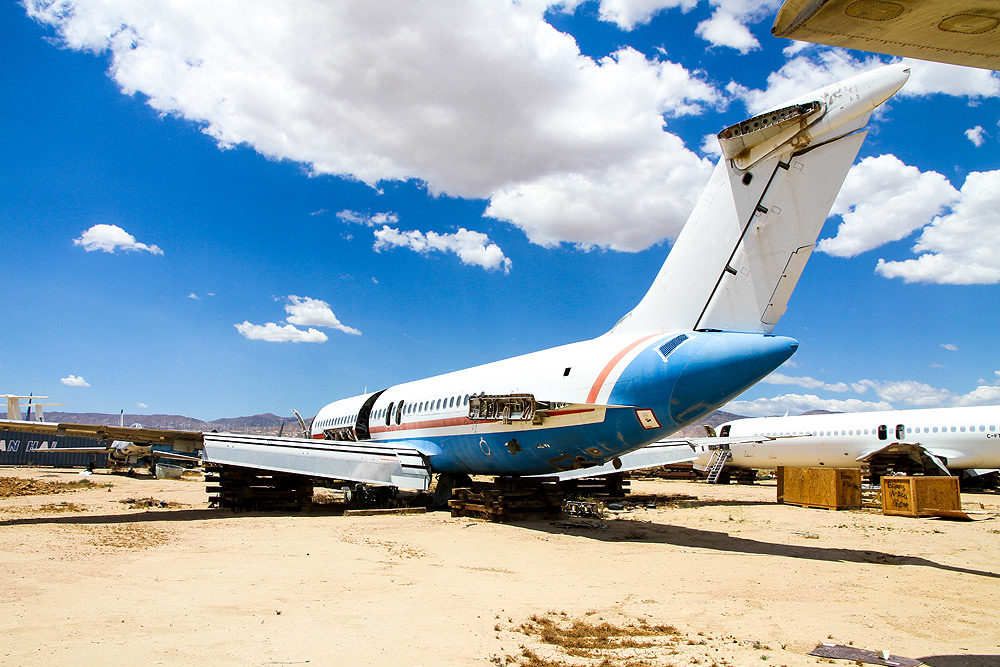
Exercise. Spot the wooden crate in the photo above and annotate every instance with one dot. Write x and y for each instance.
(827, 488)
(920, 496)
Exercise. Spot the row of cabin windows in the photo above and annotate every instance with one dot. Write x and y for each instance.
(900, 431)
(396, 411)
(400, 409)
(338, 421)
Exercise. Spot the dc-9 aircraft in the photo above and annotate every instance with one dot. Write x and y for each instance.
(963, 439)
(699, 337)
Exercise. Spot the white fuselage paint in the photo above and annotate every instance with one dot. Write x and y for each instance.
(964, 438)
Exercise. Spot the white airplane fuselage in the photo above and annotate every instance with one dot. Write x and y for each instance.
(963, 438)
(700, 336)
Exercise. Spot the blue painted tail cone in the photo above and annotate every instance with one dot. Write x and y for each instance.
(726, 365)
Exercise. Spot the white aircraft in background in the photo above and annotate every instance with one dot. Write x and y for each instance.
(965, 440)
(699, 337)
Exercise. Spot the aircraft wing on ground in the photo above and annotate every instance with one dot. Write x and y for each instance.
(400, 464)
(183, 441)
(961, 32)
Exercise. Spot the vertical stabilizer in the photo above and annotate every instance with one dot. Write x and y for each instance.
(741, 252)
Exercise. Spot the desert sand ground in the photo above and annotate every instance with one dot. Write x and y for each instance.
(729, 579)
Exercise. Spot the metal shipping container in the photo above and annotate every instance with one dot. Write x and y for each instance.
(18, 448)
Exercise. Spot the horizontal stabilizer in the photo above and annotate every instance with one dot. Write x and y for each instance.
(650, 456)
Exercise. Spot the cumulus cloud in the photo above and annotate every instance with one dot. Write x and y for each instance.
(194, 296)
(815, 68)
(141, 406)
(474, 99)
(957, 248)
(308, 312)
(805, 382)
(303, 311)
(976, 135)
(368, 219)
(728, 25)
(884, 200)
(951, 347)
(74, 381)
(472, 248)
(274, 333)
(886, 395)
(110, 238)
(794, 404)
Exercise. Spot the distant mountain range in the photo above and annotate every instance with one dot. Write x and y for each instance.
(271, 424)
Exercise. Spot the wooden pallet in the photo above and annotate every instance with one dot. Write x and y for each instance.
(504, 500)
(245, 489)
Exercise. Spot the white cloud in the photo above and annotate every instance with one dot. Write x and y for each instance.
(273, 333)
(74, 381)
(908, 393)
(958, 247)
(976, 135)
(474, 99)
(308, 312)
(368, 219)
(194, 296)
(728, 25)
(928, 78)
(141, 406)
(726, 29)
(884, 200)
(888, 394)
(820, 67)
(951, 347)
(110, 238)
(303, 311)
(627, 14)
(794, 404)
(472, 248)
(805, 382)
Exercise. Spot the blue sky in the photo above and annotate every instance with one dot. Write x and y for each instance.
(238, 208)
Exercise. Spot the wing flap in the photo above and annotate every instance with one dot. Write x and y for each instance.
(650, 456)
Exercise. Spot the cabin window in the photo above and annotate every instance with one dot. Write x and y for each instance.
(451, 402)
(982, 428)
(952, 429)
(388, 414)
(962, 429)
(993, 427)
(466, 401)
(934, 430)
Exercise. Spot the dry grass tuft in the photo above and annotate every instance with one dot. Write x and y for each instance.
(149, 503)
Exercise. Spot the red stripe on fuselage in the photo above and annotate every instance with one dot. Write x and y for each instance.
(606, 371)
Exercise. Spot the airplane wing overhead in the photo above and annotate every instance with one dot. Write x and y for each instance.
(960, 32)
(366, 461)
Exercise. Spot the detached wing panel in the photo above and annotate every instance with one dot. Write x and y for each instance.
(395, 465)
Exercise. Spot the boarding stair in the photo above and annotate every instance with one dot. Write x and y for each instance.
(717, 464)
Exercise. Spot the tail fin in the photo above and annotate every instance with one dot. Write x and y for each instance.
(740, 254)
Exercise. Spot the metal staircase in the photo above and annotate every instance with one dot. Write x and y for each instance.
(716, 465)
